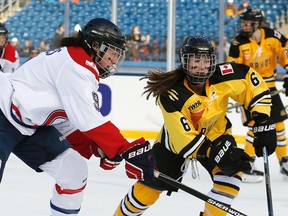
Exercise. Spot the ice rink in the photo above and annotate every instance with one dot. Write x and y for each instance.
(26, 193)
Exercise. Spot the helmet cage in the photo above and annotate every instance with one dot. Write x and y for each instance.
(253, 15)
(116, 57)
(198, 77)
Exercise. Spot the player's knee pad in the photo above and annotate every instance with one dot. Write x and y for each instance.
(69, 170)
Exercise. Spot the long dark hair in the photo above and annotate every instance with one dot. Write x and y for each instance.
(75, 40)
(159, 81)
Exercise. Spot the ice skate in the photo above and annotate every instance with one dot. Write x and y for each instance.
(254, 175)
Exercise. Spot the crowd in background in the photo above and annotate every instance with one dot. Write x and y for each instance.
(139, 47)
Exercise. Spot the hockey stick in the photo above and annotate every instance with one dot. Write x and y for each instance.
(197, 194)
(267, 182)
(272, 94)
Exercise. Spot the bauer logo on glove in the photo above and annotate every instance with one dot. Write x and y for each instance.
(222, 151)
(264, 128)
(139, 151)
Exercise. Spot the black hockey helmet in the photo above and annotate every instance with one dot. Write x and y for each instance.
(3, 31)
(197, 47)
(101, 35)
(253, 15)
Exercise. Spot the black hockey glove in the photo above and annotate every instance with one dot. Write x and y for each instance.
(230, 159)
(264, 135)
(285, 85)
(139, 160)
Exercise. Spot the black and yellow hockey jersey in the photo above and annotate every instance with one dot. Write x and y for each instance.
(190, 117)
(263, 56)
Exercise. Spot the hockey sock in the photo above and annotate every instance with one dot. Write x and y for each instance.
(137, 200)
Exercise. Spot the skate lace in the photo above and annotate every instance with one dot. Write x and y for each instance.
(194, 169)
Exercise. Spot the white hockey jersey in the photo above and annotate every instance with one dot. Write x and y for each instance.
(53, 87)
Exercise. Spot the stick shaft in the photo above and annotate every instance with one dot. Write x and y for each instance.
(267, 182)
(197, 194)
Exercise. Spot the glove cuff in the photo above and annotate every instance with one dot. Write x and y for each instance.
(259, 117)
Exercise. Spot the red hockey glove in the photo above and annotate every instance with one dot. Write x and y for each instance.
(109, 164)
(264, 135)
(230, 159)
(105, 162)
(139, 160)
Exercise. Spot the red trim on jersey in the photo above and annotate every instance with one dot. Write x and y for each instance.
(55, 115)
(68, 191)
(81, 143)
(108, 138)
(79, 55)
(10, 53)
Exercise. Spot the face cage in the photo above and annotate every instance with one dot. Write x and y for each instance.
(254, 27)
(198, 78)
(117, 56)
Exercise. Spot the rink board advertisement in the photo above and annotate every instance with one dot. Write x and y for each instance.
(123, 102)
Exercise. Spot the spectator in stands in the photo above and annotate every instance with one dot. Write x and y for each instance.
(155, 51)
(244, 5)
(144, 51)
(25, 50)
(133, 42)
(231, 9)
(43, 47)
(15, 43)
(9, 58)
(34, 51)
(59, 34)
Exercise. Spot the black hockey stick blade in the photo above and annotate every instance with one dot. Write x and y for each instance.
(197, 194)
(272, 94)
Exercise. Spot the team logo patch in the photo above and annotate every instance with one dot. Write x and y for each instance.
(226, 69)
(277, 34)
(96, 101)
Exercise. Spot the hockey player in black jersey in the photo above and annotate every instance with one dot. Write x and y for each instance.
(194, 99)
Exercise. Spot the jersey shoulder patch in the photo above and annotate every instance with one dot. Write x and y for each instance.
(228, 71)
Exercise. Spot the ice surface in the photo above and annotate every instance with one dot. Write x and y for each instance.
(27, 193)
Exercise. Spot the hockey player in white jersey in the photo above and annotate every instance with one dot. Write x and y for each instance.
(61, 85)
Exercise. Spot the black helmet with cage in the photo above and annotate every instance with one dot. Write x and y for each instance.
(253, 15)
(101, 35)
(3, 31)
(197, 47)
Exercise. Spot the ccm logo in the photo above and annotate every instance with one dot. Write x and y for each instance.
(139, 151)
(264, 128)
(222, 151)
